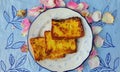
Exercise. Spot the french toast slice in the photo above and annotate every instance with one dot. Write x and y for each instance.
(67, 28)
(39, 46)
(59, 48)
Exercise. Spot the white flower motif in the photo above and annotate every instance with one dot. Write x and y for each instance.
(108, 18)
(96, 29)
(94, 62)
(98, 41)
(96, 16)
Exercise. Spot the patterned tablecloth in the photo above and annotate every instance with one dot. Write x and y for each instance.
(14, 57)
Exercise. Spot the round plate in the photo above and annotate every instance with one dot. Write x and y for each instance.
(84, 44)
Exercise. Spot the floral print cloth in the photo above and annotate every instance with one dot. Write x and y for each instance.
(14, 52)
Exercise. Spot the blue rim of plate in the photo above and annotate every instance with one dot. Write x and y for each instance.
(29, 47)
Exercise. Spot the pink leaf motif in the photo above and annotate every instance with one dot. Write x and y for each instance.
(89, 19)
(71, 4)
(35, 11)
(93, 53)
(59, 3)
(80, 68)
(24, 48)
(26, 25)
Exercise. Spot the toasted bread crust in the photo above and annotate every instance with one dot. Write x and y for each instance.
(67, 28)
(59, 48)
(42, 50)
(39, 46)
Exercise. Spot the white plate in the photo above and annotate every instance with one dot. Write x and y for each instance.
(84, 44)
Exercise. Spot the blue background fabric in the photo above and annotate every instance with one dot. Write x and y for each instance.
(13, 58)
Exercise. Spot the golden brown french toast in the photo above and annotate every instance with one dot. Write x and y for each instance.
(59, 48)
(60, 41)
(67, 28)
(39, 46)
